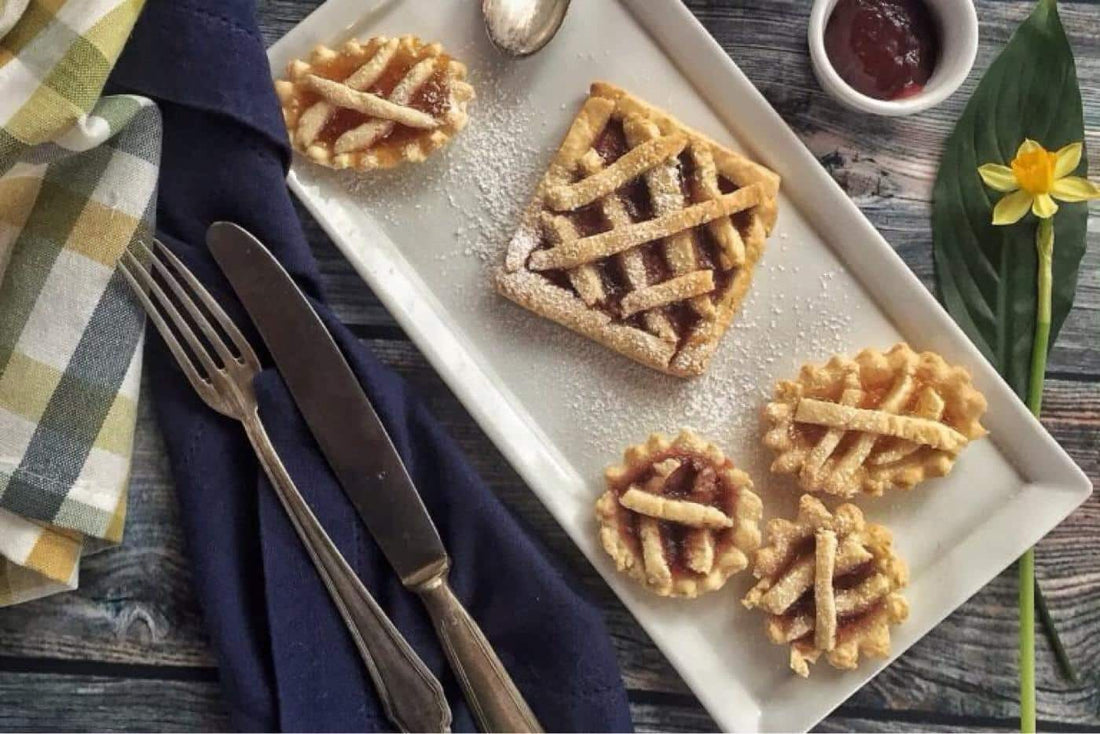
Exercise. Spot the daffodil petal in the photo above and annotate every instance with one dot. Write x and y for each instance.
(1075, 188)
(1028, 146)
(1043, 206)
(1066, 159)
(998, 177)
(1011, 208)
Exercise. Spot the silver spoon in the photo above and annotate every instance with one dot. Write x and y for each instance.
(522, 27)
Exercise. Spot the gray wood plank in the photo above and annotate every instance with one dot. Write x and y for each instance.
(43, 702)
(107, 704)
(100, 703)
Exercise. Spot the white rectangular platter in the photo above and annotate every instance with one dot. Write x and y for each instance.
(561, 408)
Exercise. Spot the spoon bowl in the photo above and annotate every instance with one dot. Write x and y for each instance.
(522, 27)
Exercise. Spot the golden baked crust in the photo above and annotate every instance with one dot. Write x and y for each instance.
(678, 516)
(828, 584)
(879, 421)
(374, 104)
(643, 234)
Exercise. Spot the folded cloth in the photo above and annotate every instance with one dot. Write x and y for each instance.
(77, 180)
(286, 660)
(10, 13)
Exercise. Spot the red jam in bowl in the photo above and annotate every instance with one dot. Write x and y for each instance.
(886, 49)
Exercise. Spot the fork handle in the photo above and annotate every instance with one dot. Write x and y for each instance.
(411, 696)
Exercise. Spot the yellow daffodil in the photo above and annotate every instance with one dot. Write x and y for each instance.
(1034, 179)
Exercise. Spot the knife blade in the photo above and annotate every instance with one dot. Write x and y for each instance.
(366, 464)
(343, 421)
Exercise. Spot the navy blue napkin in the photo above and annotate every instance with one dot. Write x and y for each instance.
(286, 659)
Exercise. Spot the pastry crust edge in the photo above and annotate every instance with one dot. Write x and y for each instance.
(536, 294)
(953, 380)
(874, 639)
(745, 531)
(456, 119)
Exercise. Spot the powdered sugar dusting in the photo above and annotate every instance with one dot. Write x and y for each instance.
(485, 177)
(592, 401)
(724, 403)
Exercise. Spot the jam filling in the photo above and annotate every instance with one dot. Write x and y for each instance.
(656, 267)
(683, 317)
(706, 250)
(342, 120)
(432, 98)
(886, 49)
(635, 196)
(612, 279)
(696, 480)
(589, 220)
(686, 167)
(805, 604)
(611, 142)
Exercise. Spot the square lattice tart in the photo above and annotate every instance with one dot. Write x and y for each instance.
(642, 235)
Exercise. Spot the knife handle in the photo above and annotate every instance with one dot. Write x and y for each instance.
(411, 696)
(497, 704)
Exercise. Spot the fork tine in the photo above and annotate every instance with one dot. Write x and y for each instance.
(197, 347)
(201, 385)
(213, 338)
(230, 328)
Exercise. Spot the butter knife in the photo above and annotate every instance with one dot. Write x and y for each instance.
(367, 465)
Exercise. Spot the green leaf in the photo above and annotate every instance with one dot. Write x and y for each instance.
(986, 275)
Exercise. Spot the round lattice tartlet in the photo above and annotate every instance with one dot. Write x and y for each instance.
(829, 583)
(374, 104)
(879, 421)
(678, 516)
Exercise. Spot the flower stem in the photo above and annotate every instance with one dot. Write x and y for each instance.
(1027, 642)
(1044, 244)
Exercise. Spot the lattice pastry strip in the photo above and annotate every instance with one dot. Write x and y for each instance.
(678, 516)
(879, 421)
(828, 583)
(705, 186)
(643, 234)
(387, 112)
(671, 224)
(667, 198)
(317, 115)
(631, 261)
(374, 104)
(655, 151)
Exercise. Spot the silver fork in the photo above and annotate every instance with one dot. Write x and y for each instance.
(411, 696)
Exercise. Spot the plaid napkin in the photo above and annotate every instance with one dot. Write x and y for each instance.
(78, 180)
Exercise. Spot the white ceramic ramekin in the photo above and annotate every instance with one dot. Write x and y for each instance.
(958, 27)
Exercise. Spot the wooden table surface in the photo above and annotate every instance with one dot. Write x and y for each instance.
(127, 650)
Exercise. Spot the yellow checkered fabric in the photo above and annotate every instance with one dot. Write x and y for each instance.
(78, 176)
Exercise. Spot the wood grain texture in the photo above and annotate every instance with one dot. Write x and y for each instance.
(48, 702)
(127, 652)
